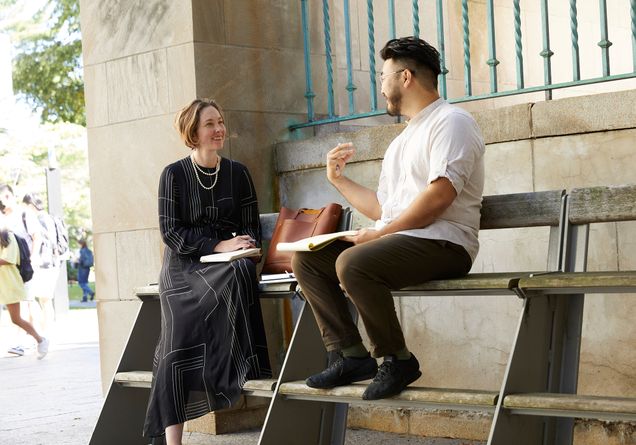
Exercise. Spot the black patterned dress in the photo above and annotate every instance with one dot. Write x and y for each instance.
(212, 337)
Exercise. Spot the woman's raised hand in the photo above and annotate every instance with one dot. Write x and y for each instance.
(337, 159)
(237, 243)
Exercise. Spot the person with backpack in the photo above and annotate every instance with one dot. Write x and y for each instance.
(12, 289)
(83, 269)
(43, 258)
(23, 225)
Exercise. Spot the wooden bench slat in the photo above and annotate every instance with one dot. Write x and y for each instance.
(411, 396)
(136, 379)
(521, 210)
(260, 387)
(580, 282)
(143, 379)
(471, 284)
(573, 405)
(602, 204)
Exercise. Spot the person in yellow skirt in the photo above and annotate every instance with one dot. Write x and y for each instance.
(12, 289)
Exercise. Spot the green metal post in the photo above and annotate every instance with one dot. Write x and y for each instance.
(632, 13)
(518, 44)
(442, 49)
(328, 58)
(492, 49)
(372, 75)
(350, 85)
(466, 29)
(574, 25)
(604, 43)
(391, 19)
(309, 94)
(416, 19)
(546, 53)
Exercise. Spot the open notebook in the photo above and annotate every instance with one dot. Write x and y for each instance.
(313, 242)
(224, 257)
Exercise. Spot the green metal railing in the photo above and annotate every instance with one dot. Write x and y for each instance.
(546, 53)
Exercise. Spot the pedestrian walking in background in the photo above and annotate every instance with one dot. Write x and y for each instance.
(83, 269)
(25, 225)
(12, 289)
(46, 269)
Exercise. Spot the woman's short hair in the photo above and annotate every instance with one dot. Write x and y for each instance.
(187, 120)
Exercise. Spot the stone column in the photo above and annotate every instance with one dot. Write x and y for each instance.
(144, 60)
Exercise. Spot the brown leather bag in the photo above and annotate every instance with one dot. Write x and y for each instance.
(293, 225)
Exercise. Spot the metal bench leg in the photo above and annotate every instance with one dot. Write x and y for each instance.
(317, 423)
(123, 413)
(544, 359)
(564, 372)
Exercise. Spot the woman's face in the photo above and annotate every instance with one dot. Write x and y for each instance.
(211, 130)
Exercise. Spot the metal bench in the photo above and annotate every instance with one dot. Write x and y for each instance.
(539, 395)
(122, 416)
(319, 416)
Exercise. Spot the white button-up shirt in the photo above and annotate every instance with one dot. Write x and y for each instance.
(442, 140)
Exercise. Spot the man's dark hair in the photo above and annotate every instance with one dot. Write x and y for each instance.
(419, 56)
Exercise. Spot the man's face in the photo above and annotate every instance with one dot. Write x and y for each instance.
(391, 78)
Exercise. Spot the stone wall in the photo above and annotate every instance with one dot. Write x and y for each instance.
(143, 61)
(464, 342)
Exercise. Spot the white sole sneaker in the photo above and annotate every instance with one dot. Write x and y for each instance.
(16, 350)
(43, 348)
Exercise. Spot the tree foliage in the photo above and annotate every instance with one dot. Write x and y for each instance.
(47, 71)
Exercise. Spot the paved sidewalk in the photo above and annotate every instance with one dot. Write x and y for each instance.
(56, 401)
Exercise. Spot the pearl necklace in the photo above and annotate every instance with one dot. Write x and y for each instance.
(198, 169)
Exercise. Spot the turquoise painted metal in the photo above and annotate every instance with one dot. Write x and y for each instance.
(539, 88)
(350, 85)
(328, 58)
(518, 43)
(371, 33)
(465, 22)
(632, 13)
(309, 94)
(392, 19)
(492, 49)
(604, 43)
(574, 26)
(416, 19)
(441, 47)
(546, 53)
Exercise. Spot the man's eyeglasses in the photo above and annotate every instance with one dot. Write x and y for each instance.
(384, 76)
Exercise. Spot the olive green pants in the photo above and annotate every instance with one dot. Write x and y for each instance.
(368, 272)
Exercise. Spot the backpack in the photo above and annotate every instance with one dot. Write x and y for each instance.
(25, 268)
(61, 242)
(86, 258)
(47, 252)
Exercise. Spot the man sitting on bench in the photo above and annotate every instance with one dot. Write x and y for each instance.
(427, 211)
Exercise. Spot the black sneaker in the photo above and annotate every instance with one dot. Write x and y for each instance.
(343, 371)
(393, 376)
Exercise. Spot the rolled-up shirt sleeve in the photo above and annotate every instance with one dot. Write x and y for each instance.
(184, 240)
(455, 150)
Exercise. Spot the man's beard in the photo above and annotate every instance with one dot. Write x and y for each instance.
(393, 104)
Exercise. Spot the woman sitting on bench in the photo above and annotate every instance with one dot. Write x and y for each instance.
(212, 337)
